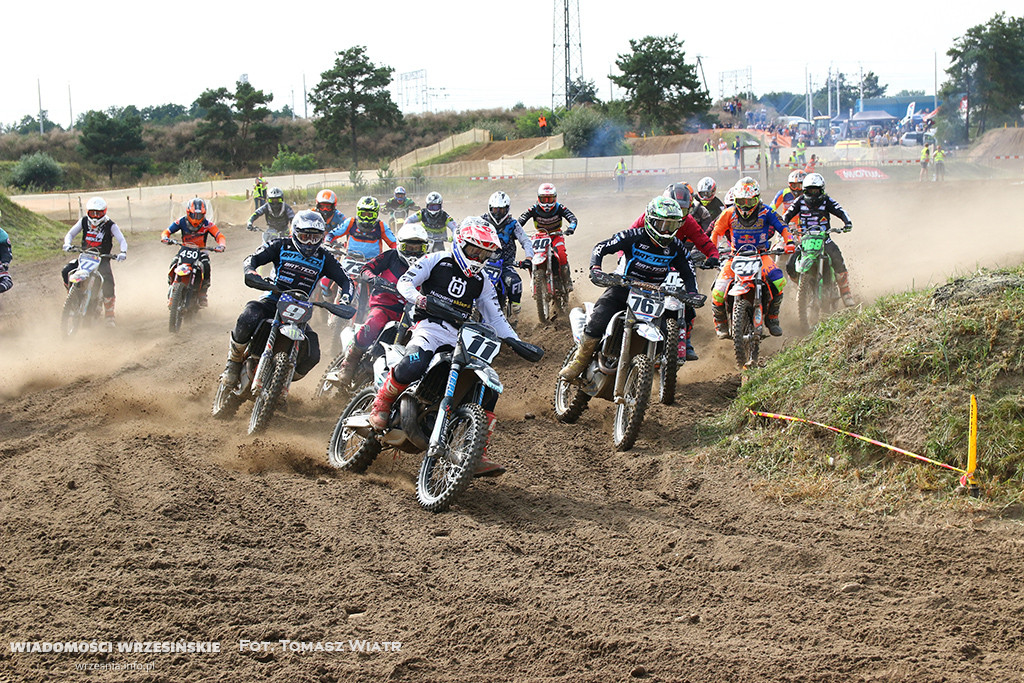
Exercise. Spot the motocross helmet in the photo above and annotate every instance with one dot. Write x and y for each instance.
(747, 197)
(367, 210)
(730, 197)
(706, 189)
(814, 189)
(682, 194)
(195, 212)
(275, 197)
(662, 219)
(308, 230)
(400, 194)
(547, 196)
(433, 203)
(96, 210)
(412, 242)
(326, 203)
(796, 181)
(475, 242)
(498, 206)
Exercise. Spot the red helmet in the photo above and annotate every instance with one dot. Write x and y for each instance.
(475, 242)
(547, 196)
(196, 212)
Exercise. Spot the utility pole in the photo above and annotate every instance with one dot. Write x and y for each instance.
(305, 101)
(567, 53)
(861, 88)
(71, 115)
(39, 92)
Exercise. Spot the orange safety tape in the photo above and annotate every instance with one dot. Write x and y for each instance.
(862, 438)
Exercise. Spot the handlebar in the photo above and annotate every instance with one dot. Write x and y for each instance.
(182, 244)
(79, 250)
(256, 282)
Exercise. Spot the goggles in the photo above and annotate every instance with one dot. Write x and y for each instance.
(705, 196)
(666, 226)
(276, 200)
(309, 237)
(498, 212)
(475, 253)
(547, 199)
(433, 208)
(814, 192)
(96, 213)
(796, 187)
(366, 215)
(414, 248)
(324, 207)
(746, 202)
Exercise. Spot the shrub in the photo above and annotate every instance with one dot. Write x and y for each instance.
(288, 162)
(37, 171)
(190, 171)
(588, 134)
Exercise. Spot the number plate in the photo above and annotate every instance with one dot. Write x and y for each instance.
(479, 346)
(813, 243)
(746, 267)
(188, 254)
(294, 311)
(89, 262)
(541, 243)
(645, 305)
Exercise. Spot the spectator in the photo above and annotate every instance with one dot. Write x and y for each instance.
(925, 158)
(620, 175)
(940, 163)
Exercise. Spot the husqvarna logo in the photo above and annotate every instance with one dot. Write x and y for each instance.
(457, 288)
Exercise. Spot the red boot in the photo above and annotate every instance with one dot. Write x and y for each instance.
(386, 396)
(487, 467)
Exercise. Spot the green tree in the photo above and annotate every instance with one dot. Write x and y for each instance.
(662, 89)
(38, 171)
(231, 126)
(583, 92)
(30, 124)
(112, 139)
(986, 67)
(352, 98)
(588, 133)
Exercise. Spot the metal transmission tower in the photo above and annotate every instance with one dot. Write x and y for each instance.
(412, 91)
(567, 55)
(735, 82)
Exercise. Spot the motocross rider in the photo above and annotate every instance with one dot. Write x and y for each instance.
(278, 214)
(706, 190)
(690, 234)
(780, 205)
(327, 207)
(384, 306)
(435, 220)
(98, 232)
(813, 208)
(749, 222)
(367, 234)
(299, 261)
(195, 228)
(649, 254)
(400, 201)
(6, 253)
(457, 278)
(508, 228)
(547, 215)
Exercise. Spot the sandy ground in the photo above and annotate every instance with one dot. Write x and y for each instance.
(130, 515)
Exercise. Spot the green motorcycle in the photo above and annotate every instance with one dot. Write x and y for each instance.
(817, 292)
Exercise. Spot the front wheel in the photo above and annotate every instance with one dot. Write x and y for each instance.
(629, 414)
(72, 315)
(669, 363)
(745, 341)
(271, 392)
(570, 400)
(540, 293)
(808, 299)
(179, 300)
(347, 450)
(443, 478)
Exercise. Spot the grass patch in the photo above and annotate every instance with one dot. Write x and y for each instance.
(453, 155)
(560, 153)
(900, 372)
(33, 237)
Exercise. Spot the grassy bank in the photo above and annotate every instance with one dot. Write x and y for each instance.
(901, 372)
(33, 237)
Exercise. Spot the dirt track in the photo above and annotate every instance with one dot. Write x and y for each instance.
(130, 515)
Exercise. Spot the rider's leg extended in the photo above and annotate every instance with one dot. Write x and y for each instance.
(487, 467)
(835, 256)
(248, 320)
(108, 292)
(608, 304)
(775, 282)
(514, 291)
(204, 258)
(718, 297)
(367, 333)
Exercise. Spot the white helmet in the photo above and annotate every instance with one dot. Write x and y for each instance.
(275, 197)
(433, 203)
(412, 242)
(498, 206)
(706, 189)
(308, 230)
(96, 210)
(475, 243)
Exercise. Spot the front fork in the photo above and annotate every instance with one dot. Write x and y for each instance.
(437, 445)
(265, 359)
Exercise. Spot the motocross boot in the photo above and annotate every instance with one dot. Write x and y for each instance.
(772, 319)
(584, 352)
(487, 467)
(348, 366)
(721, 320)
(843, 281)
(233, 369)
(386, 396)
(691, 354)
(203, 299)
(566, 278)
(516, 309)
(108, 311)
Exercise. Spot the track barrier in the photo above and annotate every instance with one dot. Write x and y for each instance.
(967, 476)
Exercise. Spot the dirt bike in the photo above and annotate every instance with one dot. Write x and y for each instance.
(397, 220)
(670, 354)
(84, 302)
(266, 377)
(817, 294)
(394, 332)
(622, 370)
(353, 263)
(441, 415)
(747, 296)
(326, 290)
(549, 291)
(186, 281)
(495, 270)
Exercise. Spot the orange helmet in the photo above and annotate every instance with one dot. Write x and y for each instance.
(196, 212)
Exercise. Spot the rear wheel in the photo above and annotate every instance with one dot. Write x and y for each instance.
(629, 414)
(745, 342)
(669, 363)
(226, 402)
(347, 450)
(270, 394)
(570, 401)
(328, 386)
(443, 478)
